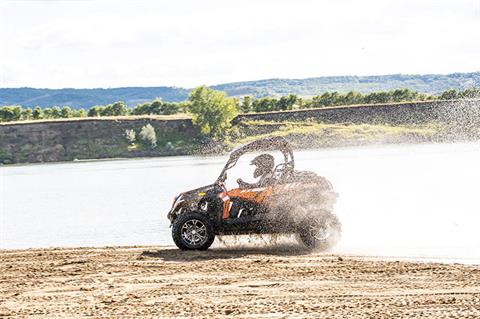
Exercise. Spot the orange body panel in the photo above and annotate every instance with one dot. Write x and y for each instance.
(257, 195)
(226, 204)
(226, 208)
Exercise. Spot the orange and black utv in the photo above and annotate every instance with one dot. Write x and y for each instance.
(289, 202)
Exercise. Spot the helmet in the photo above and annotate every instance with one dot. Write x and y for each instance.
(264, 163)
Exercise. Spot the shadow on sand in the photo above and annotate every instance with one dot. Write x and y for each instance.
(174, 254)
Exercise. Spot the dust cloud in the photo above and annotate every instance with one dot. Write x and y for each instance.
(409, 201)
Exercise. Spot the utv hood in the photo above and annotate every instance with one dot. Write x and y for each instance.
(197, 193)
(190, 199)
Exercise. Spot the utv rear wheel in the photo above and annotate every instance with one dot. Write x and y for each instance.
(321, 233)
(192, 231)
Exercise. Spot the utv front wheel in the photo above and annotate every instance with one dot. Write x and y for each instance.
(192, 231)
(322, 233)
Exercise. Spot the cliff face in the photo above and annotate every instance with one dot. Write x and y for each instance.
(105, 138)
(88, 138)
(393, 114)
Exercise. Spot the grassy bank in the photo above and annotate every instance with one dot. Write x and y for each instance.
(309, 134)
(96, 139)
(54, 140)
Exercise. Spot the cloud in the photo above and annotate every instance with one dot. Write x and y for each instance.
(186, 43)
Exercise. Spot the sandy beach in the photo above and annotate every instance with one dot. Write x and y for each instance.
(255, 283)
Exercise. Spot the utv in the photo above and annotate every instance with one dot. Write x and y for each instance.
(289, 202)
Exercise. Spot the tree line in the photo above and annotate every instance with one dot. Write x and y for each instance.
(244, 105)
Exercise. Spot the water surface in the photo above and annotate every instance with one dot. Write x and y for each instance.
(409, 201)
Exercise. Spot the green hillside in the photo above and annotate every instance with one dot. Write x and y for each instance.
(85, 98)
(81, 98)
(430, 83)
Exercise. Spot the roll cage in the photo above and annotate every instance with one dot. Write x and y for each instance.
(277, 143)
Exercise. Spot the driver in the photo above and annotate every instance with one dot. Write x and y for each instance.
(264, 169)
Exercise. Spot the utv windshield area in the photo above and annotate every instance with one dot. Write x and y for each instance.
(268, 144)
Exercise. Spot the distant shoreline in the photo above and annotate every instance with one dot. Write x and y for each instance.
(357, 125)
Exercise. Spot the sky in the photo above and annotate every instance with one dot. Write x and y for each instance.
(186, 43)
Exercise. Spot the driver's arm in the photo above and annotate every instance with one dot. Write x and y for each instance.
(243, 184)
(264, 181)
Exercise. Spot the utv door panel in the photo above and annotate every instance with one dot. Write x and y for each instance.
(244, 215)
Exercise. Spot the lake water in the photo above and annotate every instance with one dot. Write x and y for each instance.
(401, 201)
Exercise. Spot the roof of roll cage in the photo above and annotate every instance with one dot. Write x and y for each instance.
(265, 144)
(276, 143)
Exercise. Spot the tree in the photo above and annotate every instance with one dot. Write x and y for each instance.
(141, 109)
(470, 93)
(316, 101)
(66, 112)
(156, 107)
(115, 109)
(377, 97)
(212, 111)
(292, 99)
(170, 108)
(148, 135)
(80, 113)
(37, 113)
(246, 105)
(328, 99)
(10, 113)
(449, 95)
(119, 108)
(265, 104)
(55, 112)
(286, 102)
(184, 107)
(353, 97)
(47, 113)
(27, 114)
(95, 111)
(131, 136)
(400, 95)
